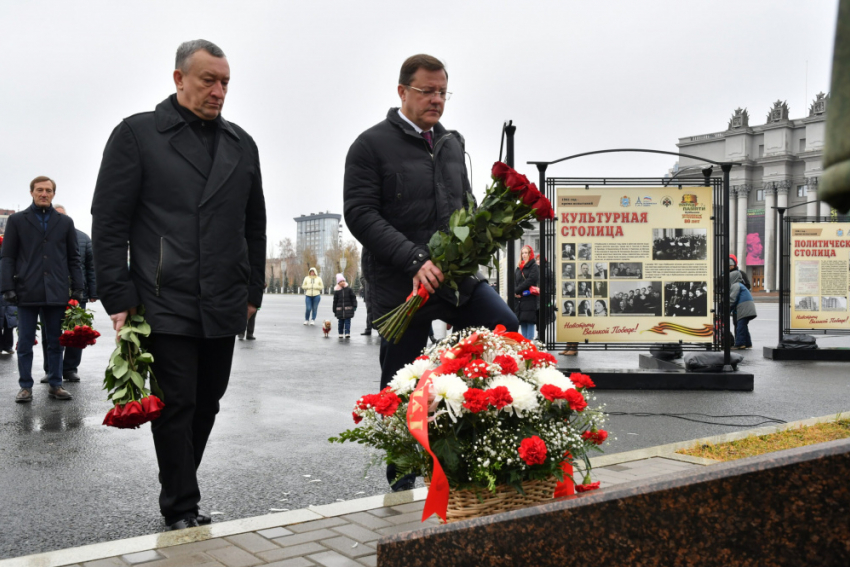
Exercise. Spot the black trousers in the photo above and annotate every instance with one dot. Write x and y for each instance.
(193, 374)
(251, 322)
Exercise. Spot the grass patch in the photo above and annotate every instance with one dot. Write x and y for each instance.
(788, 439)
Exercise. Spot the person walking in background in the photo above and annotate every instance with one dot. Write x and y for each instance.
(8, 319)
(526, 276)
(742, 306)
(183, 186)
(252, 321)
(345, 304)
(313, 287)
(40, 256)
(364, 291)
(73, 356)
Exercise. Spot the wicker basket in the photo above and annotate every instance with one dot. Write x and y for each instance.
(465, 504)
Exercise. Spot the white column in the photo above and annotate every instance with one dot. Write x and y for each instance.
(781, 201)
(741, 253)
(769, 254)
(733, 219)
(812, 208)
(824, 209)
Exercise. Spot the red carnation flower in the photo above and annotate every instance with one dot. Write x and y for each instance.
(152, 406)
(387, 402)
(532, 450)
(499, 397)
(357, 418)
(475, 369)
(367, 401)
(581, 380)
(552, 393)
(453, 366)
(597, 437)
(575, 400)
(475, 400)
(587, 487)
(537, 358)
(421, 357)
(507, 363)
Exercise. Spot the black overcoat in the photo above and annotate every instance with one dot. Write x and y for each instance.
(524, 278)
(196, 226)
(40, 267)
(397, 193)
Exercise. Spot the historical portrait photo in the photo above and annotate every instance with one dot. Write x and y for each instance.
(622, 270)
(568, 289)
(584, 309)
(679, 243)
(585, 250)
(600, 271)
(600, 308)
(568, 270)
(600, 289)
(584, 271)
(584, 289)
(569, 309)
(635, 298)
(686, 299)
(568, 251)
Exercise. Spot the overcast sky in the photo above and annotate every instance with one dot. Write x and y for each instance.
(308, 77)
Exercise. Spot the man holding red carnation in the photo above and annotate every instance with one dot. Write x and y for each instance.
(404, 178)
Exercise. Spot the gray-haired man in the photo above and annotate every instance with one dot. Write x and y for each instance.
(182, 185)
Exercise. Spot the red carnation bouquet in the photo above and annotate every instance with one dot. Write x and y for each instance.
(77, 329)
(129, 367)
(473, 237)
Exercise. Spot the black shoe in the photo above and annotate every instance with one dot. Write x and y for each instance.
(241, 336)
(251, 338)
(46, 379)
(184, 523)
(407, 482)
(71, 376)
(367, 332)
(203, 518)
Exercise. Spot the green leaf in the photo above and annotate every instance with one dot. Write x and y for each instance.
(137, 379)
(119, 371)
(143, 329)
(462, 233)
(447, 450)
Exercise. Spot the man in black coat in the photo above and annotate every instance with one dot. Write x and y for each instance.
(40, 257)
(72, 356)
(182, 185)
(403, 179)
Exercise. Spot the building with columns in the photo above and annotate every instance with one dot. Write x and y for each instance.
(781, 164)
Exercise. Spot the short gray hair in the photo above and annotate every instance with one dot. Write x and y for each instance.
(188, 48)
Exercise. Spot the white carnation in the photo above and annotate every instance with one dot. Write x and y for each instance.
(406, 378)
(553, 376)
(523, 393)
(449, 388)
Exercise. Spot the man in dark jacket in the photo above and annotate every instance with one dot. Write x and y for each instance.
(40, 257)
(403, 179)
(182, 185)
(72, 356)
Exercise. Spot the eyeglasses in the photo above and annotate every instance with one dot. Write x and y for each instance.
(428, 93)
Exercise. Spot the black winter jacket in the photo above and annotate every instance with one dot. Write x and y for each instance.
(87, 265)
(40, 266)
(397, 194)
(196, 226)
(526, 306)
(345, 303)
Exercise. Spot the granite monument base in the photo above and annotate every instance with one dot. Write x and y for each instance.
(825, 354)
(786, 508)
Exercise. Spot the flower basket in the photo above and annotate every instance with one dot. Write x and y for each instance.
(466, 504)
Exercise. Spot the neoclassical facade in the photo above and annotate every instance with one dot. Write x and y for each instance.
(780, 166)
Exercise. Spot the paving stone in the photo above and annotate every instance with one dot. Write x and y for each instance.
(406, 518)
(274, 532)
(383, 512)
(141, 557)
(111, 562)
(367, 519)
(316, 525)
(347, 546)
(294, 562)
(405, 528)
(292, 551)
(193, 559)
(232, 556)
(251, 542)
(306, 537)
(613, 468)
(410, 507)
(333, 559)
(358, 533)
(369, 560)
(194, 547)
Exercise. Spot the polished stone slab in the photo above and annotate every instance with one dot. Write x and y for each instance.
(836, 354)
(784, 508)
(661, 379)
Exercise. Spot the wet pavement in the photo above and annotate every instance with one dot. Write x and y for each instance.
(65, 480)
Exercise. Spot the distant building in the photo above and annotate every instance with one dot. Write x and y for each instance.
(319, 232)
(4, 216)
(781, 164)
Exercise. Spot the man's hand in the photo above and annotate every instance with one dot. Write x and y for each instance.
(429, 276)
(10, 297)
(252, 309)
(119, 319)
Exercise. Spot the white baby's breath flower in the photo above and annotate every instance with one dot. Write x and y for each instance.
(450, 389)
(523, 393)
